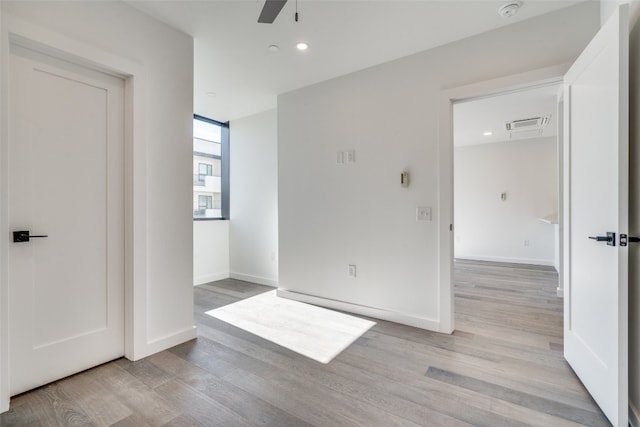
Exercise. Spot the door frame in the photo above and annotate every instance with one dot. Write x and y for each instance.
(16, 31)
(489, 88)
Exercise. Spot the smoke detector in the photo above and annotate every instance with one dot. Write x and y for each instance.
(507, 10)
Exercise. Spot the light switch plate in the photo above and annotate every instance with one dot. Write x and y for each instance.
(351, 156)
(423, 213)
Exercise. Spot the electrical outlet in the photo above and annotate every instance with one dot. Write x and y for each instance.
(526, 243)
(423, 213)
(352, 270)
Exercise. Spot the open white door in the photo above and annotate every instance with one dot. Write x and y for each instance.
(597, 196)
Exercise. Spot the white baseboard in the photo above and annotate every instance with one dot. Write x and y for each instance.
(201, 280)
(166, 342)
(4, 405)
(254, 279)
(377, 313)
(531, 261)
(634, 415)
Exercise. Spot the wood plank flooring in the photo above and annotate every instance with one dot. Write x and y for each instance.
(502, 367)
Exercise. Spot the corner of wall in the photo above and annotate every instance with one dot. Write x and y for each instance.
(253, 238)
(166, 342)
(254, 279)
(210, 251)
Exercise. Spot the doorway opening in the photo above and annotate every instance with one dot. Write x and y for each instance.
(506, 180)
(506, 204)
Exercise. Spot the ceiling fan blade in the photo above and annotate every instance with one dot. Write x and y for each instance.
(270, 11)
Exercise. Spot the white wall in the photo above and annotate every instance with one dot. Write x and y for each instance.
(253, 240)
(160, 60)
(488, 228)
(210, 251)
(333, 215)
(246, 246)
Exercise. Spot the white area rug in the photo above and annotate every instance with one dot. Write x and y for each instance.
(315, 332)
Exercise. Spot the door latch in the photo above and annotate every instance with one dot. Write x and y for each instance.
(624, 239)
(24, 236)
(610, 238)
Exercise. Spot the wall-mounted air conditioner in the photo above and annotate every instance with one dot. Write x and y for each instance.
(527, 128)
(535, 122)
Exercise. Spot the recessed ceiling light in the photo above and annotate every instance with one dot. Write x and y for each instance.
(302, 46)
(273, 48)
(488, 133)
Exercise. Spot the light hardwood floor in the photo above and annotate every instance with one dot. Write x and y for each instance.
(502, 367)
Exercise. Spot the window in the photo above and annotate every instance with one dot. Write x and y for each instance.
(205, 202)
(210, 169)
(204, 170)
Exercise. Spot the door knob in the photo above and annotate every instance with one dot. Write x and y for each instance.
(610, 238)
(24, 236)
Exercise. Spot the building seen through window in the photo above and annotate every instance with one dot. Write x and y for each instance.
(209, 164)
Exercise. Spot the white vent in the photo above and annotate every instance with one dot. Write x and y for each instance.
(522, 124)
(531, 133)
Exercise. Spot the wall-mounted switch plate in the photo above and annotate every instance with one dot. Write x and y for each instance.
(404, 179)
(423, 213)
(351, 156)
(340, 157)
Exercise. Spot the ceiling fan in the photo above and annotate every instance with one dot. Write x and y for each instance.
(270, 11)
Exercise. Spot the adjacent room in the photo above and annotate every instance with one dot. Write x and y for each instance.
(506, 178)
(337, 213)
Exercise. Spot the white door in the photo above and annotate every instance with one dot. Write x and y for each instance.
(66, 290)
(596, 113)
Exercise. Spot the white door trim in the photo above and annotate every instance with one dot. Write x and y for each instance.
(502, 85)
(14, 30)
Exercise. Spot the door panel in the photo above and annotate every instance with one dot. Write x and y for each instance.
(66, 182)
(596, 110)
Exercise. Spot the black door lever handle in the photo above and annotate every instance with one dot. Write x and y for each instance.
(610, 238)
(24, 236)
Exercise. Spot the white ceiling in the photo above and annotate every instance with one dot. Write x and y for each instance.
(242, 77)
(471, 119)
